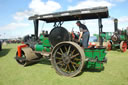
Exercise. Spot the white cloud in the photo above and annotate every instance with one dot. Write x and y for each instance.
(40, 7)
(110, 0)
(123, 19)
(20, 16)
(37, 7)
(13, 26)
(118, 0)
(91, 3)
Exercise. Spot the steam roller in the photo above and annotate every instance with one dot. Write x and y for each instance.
(66, 54)
(117, 39)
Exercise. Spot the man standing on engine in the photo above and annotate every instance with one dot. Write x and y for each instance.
(84, 34)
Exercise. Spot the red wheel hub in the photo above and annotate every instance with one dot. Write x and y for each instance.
(109, 46)
(124, 46)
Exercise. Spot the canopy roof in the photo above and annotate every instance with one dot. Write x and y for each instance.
(81, 14)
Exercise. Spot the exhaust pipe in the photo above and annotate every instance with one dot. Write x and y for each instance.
(115, 25)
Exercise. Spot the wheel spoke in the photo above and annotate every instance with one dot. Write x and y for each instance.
(75, 64)
(77, 59)
(73, 52)
(60, 62)
(59, 53)
(62, 65)
(66, 49)
(69, 50)
(69, 67)
(75, 55)
(123, 47)
(65, 68)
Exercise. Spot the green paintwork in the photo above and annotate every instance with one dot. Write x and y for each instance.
(95, 57)
(122, 37)
(106, 35)
(115, 46)
(90, 54)
(44, 44)
(42, 48)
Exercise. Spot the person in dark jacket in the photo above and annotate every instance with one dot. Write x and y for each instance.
(84, 34)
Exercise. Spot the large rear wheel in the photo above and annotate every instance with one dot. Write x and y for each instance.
(108, 45)
(68, 58)
(123, 46)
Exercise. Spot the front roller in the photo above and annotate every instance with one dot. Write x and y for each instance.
(27, 56)
(68, 58)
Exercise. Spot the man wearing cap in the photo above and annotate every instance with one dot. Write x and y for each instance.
(84, 34)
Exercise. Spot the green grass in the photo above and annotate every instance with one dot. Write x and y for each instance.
(11, 73)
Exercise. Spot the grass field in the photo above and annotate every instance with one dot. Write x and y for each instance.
(11, 73)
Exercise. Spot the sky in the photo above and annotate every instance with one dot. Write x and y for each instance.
(14, 15)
